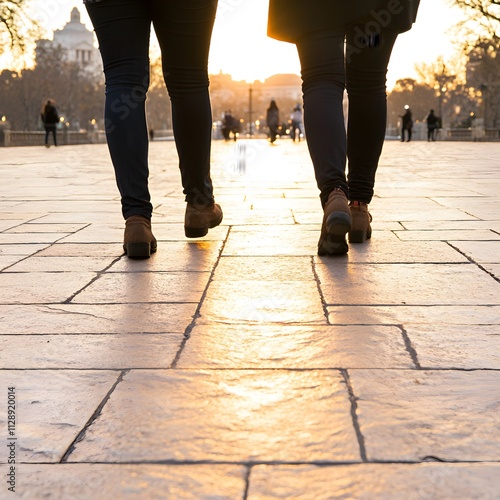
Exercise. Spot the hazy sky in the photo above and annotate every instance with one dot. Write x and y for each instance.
(240, 45)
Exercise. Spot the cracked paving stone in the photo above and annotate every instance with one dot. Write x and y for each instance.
(95, 318)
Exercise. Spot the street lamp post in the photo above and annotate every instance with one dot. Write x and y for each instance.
(250, 111)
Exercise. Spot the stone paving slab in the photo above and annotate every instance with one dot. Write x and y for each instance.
(481, 252)
(286, 347)
(52, 407)
(284, 302)
(447, 415)
(393, 251)
(95, 318)
(140, 482)
(366, 482)
(122, 288)
(42, 288)
(456, 347)
(96, 351)
(242, 365)
(419, 284)
(231, 416)
(399, 315)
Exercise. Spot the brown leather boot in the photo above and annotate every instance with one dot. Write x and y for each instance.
(199, 219)
(361, 218)
(138, 241)
(336, 223)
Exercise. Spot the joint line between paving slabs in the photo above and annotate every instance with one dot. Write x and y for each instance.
(409, 347)
(38, 251)
(247, 482)
(97, 412)
(354, 415)
(472, 261)
(93, 280)
(196, 315)
(318, 285)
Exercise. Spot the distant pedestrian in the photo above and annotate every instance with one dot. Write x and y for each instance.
(50, 119)
(296, 129)
(151, 134)
(273, 120)
(432, 126)
(230, 125)
(406, 124)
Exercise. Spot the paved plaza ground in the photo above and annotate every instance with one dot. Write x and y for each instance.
(242, 365)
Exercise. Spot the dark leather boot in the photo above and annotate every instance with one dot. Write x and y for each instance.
(361, 218)
(138, 241)
(199, 219)
(336, 223)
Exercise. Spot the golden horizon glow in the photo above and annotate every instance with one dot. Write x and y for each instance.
(241, 48)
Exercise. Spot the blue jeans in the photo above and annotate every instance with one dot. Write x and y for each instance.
(184, 30)
(326, 72)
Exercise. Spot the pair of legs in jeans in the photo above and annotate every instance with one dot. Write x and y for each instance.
(328, 69)
(184, 30)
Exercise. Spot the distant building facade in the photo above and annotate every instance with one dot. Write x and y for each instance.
(77, 43)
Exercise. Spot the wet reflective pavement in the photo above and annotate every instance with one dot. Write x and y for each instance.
(242, 365)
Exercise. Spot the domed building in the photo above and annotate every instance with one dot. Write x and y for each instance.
(77, 43)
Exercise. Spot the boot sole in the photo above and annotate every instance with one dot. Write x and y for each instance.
(338, 224)
(139, 250)
(199, 232)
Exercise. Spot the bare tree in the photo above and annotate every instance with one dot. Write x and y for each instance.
(17, 26)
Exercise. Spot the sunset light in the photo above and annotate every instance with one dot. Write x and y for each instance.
(241, 48)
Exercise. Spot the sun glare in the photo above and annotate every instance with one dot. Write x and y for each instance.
(241, 47)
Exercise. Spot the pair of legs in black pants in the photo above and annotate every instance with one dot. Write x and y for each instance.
(184, 30)
(326, 71)
(50, 129)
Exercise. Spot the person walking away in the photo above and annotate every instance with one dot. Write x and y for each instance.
(321, 30)
(297, 123)
(184, 31)
(432, 126)
(273, 120)
(407, 125)
(50, 119)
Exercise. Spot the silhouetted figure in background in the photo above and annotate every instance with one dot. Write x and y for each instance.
(297, 123)
(273, 120)
(407, 125)
(432, 126)
(230, 125)
(50, 119)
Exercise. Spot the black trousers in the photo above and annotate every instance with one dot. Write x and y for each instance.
(184, 30)
(50, 129)
(327, 70)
